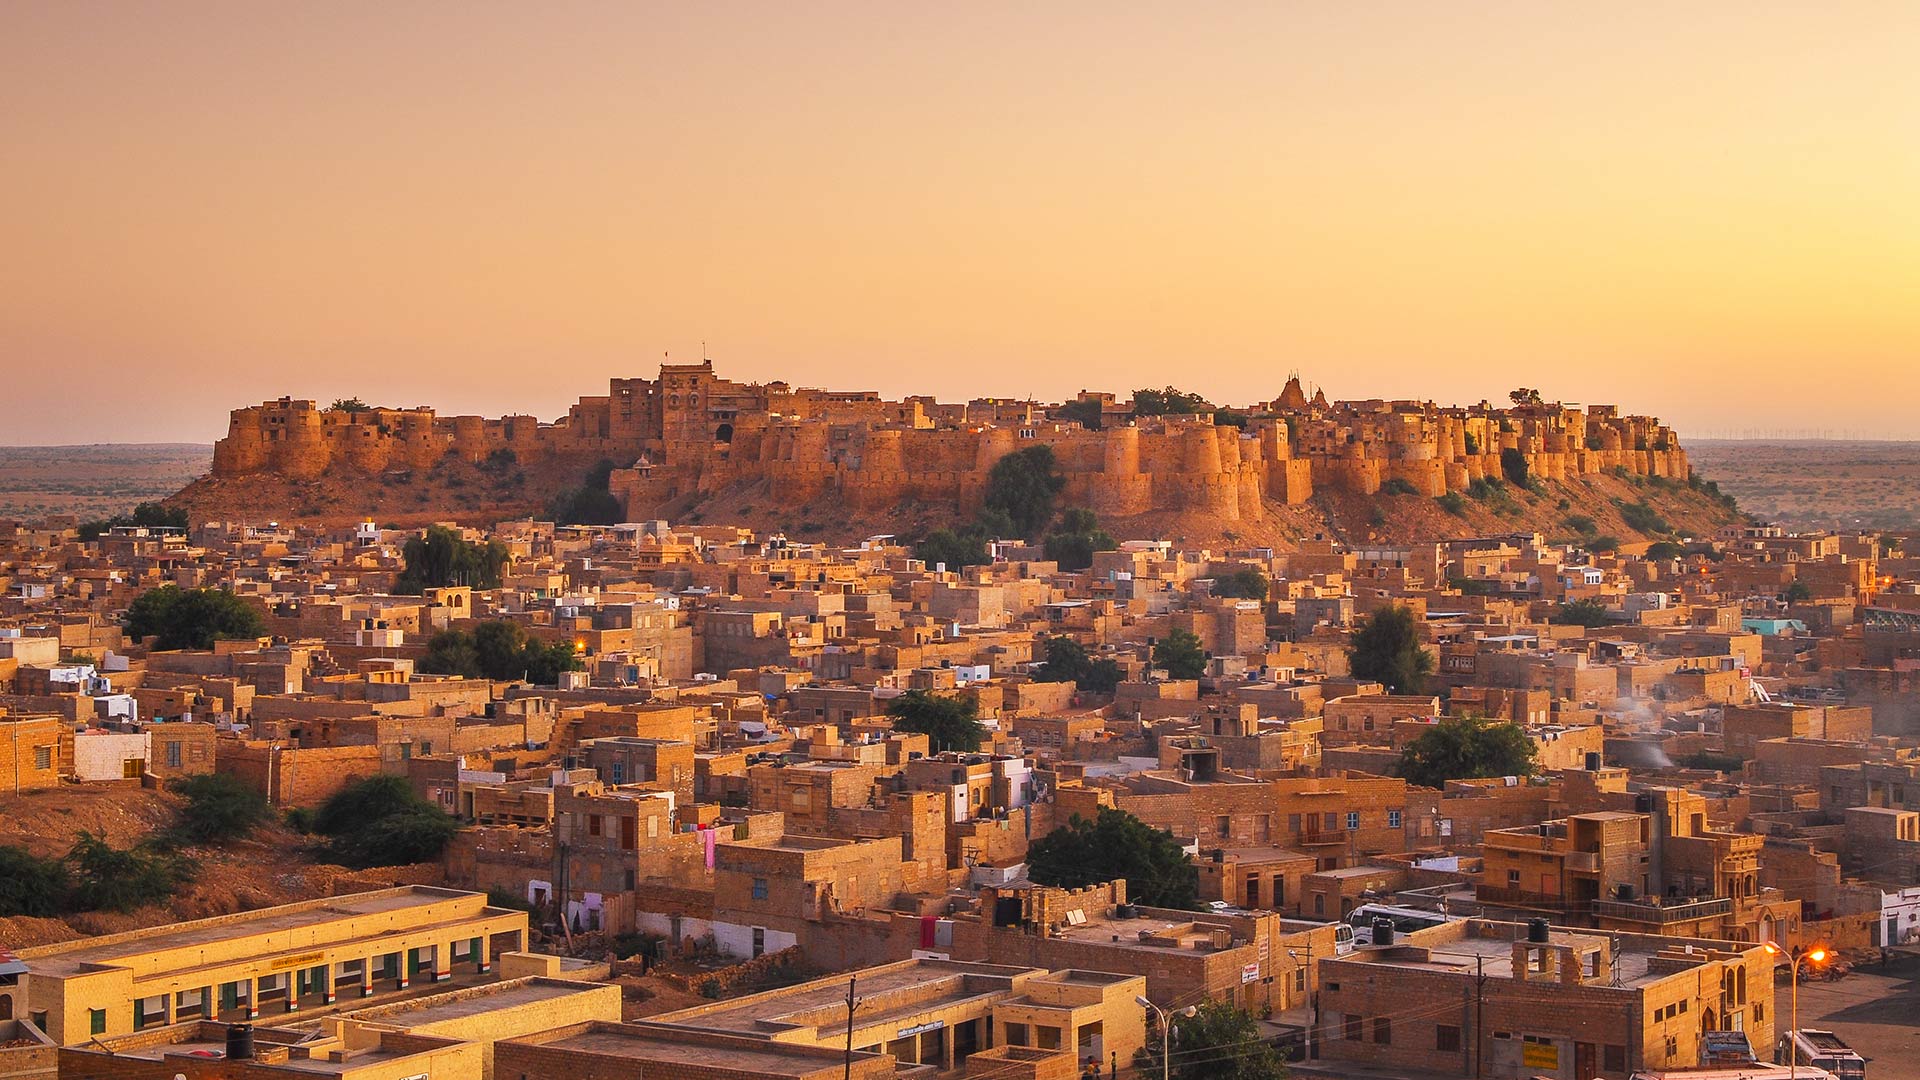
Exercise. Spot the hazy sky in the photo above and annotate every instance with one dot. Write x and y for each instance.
(1707, 211)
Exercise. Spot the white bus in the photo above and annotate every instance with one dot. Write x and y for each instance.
(1405, 920)
(1822, 1050)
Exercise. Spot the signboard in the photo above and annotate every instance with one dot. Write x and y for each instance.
(312, 959)
(1540, 1055)
(931, 1025)
(1249, 973)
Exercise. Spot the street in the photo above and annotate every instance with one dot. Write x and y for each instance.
(1875, 1009)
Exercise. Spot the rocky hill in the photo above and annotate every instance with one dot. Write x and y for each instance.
(691, 446)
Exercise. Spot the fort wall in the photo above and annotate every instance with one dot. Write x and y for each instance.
(691, 432)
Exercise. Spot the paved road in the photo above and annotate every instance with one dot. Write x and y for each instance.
(1875, 1009)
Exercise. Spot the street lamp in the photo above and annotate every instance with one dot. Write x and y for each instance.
(1311, 1015)
(1795, 958)
(1166, 1033)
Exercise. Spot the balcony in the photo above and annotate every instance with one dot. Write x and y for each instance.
(1658, 914)
(1508, 896)
(1583, 862)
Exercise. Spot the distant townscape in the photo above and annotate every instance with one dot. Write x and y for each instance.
(722, 730)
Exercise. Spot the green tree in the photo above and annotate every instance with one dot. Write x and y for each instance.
(949, 723)
(1244, 583)
(1797, 593)
(441, 557)
(1217, 1042)
(31, 885)
(379, 821)
(1116, 845)
(1513, 466)
(1588, 613)
(1665, 549)
(1600, 545)
(592, 503)
(1180, 654)
(348, 405)
(1644, 518)
(220, 807)
(498, 649)
(106, 878)
(151, 515)
(1068, 661)
(1466, 748)
(958, 548)
(1082, 411)
(1022, 485)
(1386, 648)
(1170, 401)
(1077, 537)
(191, 618)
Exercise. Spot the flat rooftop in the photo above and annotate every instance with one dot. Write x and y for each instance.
(472, 1001)
(1468, 954)
(823, 1002)
(68, 958)
(640, 1044)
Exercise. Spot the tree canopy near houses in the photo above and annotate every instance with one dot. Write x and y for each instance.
(1022, 486)
(179, 618)
(1386, 648)
(1466, 748)
(1242, 583)
(1180, 654)
(1168, 401)
(379, 821)
(1116, 845)
(441, 557)
(497, 649)
(1588, 613)
(1068, 661)
(948, 722)
(1074, 540)
(1219, 1041)
(149, 514)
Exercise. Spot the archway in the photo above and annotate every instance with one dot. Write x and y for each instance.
(723, 433)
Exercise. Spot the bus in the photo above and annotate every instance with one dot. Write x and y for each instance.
(1822, 1050)
(1405, 920)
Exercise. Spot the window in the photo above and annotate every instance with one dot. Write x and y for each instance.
(1330, 821)
(653, 826)
(1673, 1046)
(759, 888)
(1293, 823)
(97, 1019)
(1383, 1030)
(1613, 1058)
(1513, 879)
(593, 824)
(1049, 1036)
(43, 757)
(1352, 1030)
(1353, 820)
(173, 755)
(1300, 979)
(1393, 819)
(1017, 1035)
(1446, 1038)
(1223, 825)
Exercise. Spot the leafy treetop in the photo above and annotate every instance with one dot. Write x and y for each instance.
(442, 557)
(1180, 654)
(950, 723)
(1116, 845)
(191, 618)
(497, 649)
(1466, 748)
(1387, 650)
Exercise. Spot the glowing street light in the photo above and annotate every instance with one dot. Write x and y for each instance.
(1815, 955)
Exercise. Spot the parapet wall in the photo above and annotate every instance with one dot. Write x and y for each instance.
(693, 433)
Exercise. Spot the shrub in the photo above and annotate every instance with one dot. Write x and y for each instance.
(1603, 544)
(109, 879)
(1397, 486)
(1513, 466)
(31, 885)
(219, 808)
(379, 821)
(1644, 518)
(191, 618)
(1453, 504)
(1581, 524)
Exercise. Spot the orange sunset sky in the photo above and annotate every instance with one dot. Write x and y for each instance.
(1709, 211)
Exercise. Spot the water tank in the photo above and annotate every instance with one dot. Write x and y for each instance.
(239, 1042)
(1537, 931)
(1383, 931)
(1593, 762)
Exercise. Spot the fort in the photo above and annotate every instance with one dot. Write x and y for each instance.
(691, 433)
